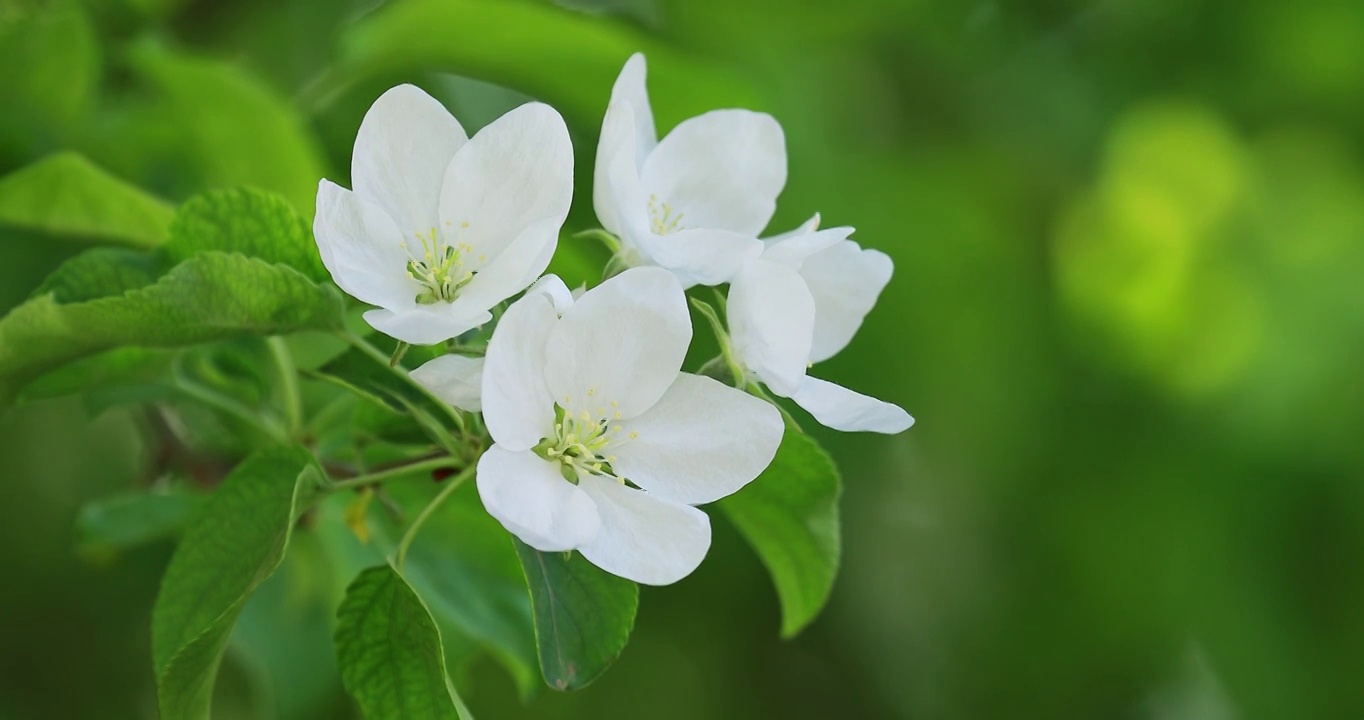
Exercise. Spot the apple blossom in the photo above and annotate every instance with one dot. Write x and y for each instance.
(600, 443)
(694, 202)
(800, 303)
(440, 228)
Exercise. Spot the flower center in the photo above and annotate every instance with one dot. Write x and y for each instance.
(662, 219)
(440, 269)
(580, 441)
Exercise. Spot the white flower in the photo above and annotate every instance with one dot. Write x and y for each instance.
(440, 228)
(800, 303)
(581, 396)
(695, 202)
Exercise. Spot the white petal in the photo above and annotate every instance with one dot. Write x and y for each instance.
(644, 538)
(793, 250)
(617, 196)
(515, 267)
(701, 442)
(723, 169)
(845, 281)
(362, 248)
(404, 144)
(700, 256)
(772, 322)
(426, 324)
(630, 88)
(839, 408)
(534, 502)
(620, 346)
(456, 379)
(514, 175)
(517, 406)
(553, 287)
(804, 228)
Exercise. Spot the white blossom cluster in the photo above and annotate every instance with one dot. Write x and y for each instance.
(601, 443)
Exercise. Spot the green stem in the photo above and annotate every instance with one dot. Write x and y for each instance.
(265, 424)
(426, 513)
(288, 380)
(378, 356)
(385, 475)
(398, 352)
(759, 391)
(611, 242)
(736, 368)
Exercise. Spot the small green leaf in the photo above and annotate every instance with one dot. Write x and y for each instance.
(231, 547)
(108, 526)
(583, 615)
(250, 222)
(229, 128)
(212, 296)
(68, 196)
(568, 59)
(790, 517)
(389, 652)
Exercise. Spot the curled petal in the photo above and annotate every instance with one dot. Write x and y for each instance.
(517, 405)
(772, 321)
(456, 379)
(845, 281)
(837, 407)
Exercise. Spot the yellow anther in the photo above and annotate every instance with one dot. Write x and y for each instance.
(634, 434)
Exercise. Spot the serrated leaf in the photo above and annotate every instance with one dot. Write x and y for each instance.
(68, 196)
(565, 58)
(102, 272)
(583, 615)
(230, 128)
(111, 525)
(789, 514)
(251, 222)
(389, 651)
(212, 296)
(232, 546)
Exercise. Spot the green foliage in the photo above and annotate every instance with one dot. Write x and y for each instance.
(231, 129)
(583, 615)
(101, 272)
(565, 58)
(231, 547)
(389, 651)
(129, 520)
(51, 56)
(250, 222)
(790, 517)
(211, 296)
(66, 195)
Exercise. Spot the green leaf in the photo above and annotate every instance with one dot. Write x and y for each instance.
(389, 651)
(566, 58)
(212, 296)
(790, 517)
(102, 272)
(583, 615)
(468, 574)
(231, 547)
(51, 57)
(250, 222)
(108, 526)
(66, 195)
(230, 128)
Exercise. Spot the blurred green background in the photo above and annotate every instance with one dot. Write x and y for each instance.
(1128, 314)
